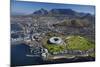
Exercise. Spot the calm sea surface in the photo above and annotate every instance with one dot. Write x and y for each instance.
(19, 58)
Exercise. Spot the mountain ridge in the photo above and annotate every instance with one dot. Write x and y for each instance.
(65, 12)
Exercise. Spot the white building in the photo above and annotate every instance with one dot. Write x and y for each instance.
(56, 40)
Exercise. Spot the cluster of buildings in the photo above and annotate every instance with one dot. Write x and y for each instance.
(35, 29)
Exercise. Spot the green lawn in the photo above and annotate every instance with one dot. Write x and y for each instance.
(79, 43)
(55, 48)
(73, 43)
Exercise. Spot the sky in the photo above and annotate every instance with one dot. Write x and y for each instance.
(20, 7)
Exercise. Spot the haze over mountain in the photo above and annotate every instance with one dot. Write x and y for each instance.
(64, 12)
(55, 11)
(41, 12)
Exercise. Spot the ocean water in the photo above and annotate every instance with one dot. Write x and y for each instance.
(18, 55)
(19, 58)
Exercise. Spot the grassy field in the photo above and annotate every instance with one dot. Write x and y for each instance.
(72, 43)
(79, 43)
(55, 48)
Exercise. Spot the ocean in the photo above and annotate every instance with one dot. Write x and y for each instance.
(19, 58)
